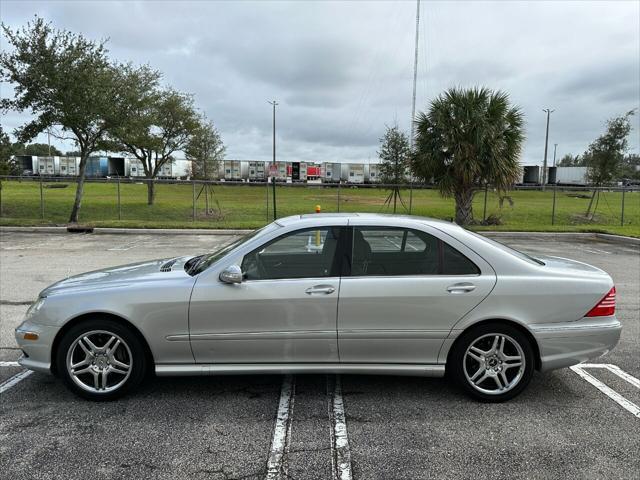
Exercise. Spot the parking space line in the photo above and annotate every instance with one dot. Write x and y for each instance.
(340, 453)
(7, 384)
(615, 370)
(612, 394)
(282, 431)
(9, 364)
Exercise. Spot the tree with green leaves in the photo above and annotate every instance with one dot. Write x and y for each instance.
(605, 154)
(39, 150)
(8, 165)
(569, 160)
(469, 138)
(205, 150)
(394, 156)
(67, 82)
(630, 168)
(161, 124)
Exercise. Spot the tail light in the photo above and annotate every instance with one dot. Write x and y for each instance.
(605, 307)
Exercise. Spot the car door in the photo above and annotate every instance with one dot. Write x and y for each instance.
(284, 311)
(406, 289)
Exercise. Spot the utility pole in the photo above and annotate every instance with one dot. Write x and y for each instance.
(555, 147)
(273, 179)
(546, 146)
(49, 140)
(413, 101)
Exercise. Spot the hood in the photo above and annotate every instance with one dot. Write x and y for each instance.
(121, 276)
(568, 266)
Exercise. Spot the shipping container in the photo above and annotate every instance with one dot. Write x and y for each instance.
(314, 171)
(532, 175)
(256, 171)
(116, 167)
(136, 169)
(331, 172)
(48, 166)
(232, 170)
(571, 176)
(97, 167)
(69, 166)
(372, 173)
(28, 164)
(353, 172)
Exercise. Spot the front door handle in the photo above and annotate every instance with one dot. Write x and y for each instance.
(320, 290)
(458, 288)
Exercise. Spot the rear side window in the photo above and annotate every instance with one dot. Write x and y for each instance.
(379, 251)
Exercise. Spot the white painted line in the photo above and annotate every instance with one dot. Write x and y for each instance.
(340, 453)
(609, 392)
(282, 431)
(594, 250)
(624, 375)
(614, 369)
(7, 384)
(9, 364)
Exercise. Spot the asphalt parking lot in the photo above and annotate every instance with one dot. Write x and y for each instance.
(319, 426)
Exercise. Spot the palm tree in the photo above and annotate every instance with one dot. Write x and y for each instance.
(469, 138)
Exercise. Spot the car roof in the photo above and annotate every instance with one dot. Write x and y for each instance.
(375, 218)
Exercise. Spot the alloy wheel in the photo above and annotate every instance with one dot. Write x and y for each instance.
(99, 361)
(494, 363)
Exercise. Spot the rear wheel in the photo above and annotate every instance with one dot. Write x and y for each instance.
(492, 362)
(101, 359)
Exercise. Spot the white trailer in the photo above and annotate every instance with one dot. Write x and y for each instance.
(256, 171)
(331, 172)
(135, 168)
(353, 172)
(69, 166)
(571, 176)
(47, 166)
(372, 173)
(232, 170)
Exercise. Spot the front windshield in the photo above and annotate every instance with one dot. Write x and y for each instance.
(507, 249)
(202, 262)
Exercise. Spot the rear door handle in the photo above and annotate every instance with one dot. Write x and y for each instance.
(320, 290)
(458, 288)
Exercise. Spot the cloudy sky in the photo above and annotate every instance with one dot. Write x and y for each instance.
(342, 70)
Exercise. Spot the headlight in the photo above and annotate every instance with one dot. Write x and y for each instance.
(35, 307)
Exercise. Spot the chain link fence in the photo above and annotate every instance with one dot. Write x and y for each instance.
(180, 203)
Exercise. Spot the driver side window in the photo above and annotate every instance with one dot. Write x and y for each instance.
(308, 253)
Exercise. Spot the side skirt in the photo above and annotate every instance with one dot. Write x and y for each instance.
(284, 368)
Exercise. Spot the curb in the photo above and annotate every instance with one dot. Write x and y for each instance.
(564, 236)
(202, 231)
(129, 231)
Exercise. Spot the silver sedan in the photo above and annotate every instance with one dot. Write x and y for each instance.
(337, 293)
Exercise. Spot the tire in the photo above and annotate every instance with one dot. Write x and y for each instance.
(493, 362)
(107, 359)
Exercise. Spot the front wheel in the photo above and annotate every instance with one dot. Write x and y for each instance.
(101, 359)
(492, 362)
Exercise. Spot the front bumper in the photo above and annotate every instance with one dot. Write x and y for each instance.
(569, 343)
(36, 353)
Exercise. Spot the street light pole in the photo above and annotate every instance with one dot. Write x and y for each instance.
(555, 147)
(273, 179)
(546, 146)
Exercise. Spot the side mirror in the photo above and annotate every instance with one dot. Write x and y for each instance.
(231, 274)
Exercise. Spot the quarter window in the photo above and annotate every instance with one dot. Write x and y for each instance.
(308, 253)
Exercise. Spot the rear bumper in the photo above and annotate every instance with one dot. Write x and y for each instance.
(569, 343)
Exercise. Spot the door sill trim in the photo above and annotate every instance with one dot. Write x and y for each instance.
(283, 368)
